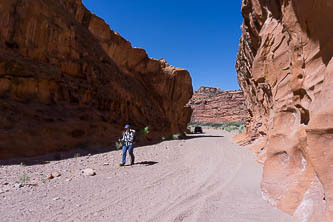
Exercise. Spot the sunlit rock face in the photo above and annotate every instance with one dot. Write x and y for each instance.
(67, 80)
(285, 69)
(213, 105)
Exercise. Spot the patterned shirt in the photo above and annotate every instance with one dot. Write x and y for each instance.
(128, 137)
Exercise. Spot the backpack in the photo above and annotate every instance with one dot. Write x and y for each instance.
(133, 133)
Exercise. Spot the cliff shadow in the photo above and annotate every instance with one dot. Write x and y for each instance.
(72, 154)
(86, 152)
(56, 156)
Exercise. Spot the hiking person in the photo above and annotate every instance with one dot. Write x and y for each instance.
(127, 141)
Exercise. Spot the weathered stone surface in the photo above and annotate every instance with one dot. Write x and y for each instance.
(212, 105)
(285, 69)
(67, 80)
(88, 172)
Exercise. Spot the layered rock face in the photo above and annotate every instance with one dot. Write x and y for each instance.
(212, 105)
(67, 80)
(285, 70)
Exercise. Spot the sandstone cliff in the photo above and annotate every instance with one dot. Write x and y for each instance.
(212, 105)
(285, 69)
(67, 80)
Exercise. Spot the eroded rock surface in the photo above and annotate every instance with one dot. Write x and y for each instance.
(285, 70)
(212, 105)
(67, 80)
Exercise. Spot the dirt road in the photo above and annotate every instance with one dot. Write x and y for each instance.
(205, 178)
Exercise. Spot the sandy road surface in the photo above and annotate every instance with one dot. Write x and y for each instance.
(205, 178)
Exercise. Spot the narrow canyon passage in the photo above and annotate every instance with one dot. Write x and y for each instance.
(203, 178)
(70, 80)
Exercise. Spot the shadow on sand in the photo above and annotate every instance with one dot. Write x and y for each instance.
(76, 153)
(73, 154)
(48, 158)
(146, 163)
(194, 136)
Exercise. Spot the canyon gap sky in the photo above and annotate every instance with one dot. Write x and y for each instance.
(200, 36)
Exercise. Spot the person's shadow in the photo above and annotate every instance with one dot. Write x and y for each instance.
(146, 163)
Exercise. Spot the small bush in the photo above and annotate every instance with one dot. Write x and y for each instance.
(119, 145)
(175, 136)
(227, 126)
(241, 130)
(146, 130)
(24, 179)
(142, 134)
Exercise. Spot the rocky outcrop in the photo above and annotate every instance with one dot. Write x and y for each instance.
(67, 80)
(212, 105)
(285, 69)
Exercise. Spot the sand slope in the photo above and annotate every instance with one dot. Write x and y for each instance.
(205, 178)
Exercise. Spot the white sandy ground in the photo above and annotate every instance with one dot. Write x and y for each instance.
(205, 178)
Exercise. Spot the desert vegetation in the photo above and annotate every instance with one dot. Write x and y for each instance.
(226, 126)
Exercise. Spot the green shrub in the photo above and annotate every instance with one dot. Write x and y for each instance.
(141, 134)
(146, 130)
(175, 136)
(227, 126)
(241, 129)
(24, 179)
(119, 145)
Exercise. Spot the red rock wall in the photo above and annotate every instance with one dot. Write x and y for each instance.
(212, 105)
(285, 69)
(67, 80)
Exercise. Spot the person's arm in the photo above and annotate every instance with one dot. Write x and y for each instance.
(122, 138)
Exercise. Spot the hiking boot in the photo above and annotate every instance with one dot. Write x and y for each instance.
(122, 164)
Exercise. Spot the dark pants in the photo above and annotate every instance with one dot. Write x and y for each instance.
(130, 151)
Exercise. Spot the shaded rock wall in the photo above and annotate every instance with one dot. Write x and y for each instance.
(67, 80)
(212, 105)
(285, 69)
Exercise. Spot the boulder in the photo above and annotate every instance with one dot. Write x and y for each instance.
(50, 176)
(56, 174)
(88, 172)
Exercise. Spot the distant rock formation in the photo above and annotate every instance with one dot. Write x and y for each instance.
(67, 81)
(285, 69)
(212, 105)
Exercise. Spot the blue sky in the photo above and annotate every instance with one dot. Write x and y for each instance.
(200, 36)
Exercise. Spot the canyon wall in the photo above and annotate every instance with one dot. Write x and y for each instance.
(212, 105)
(67, 80)
(285, 69)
